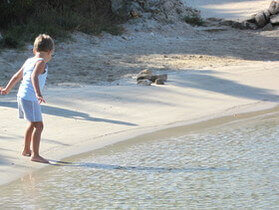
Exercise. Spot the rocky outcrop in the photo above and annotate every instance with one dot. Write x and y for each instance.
(265, 19)
(146, 77)
(161, 10)
(261, 19)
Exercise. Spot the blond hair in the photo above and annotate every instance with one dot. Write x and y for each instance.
(43, 43)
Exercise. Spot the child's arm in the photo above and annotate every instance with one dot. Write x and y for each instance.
(39, 69)
(13, 81)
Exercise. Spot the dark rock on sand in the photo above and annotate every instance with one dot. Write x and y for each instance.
(159, 81)
(267, 15)
(145, 74)
(163, 77)
(249, 25)
(260, 19)
(145, 77)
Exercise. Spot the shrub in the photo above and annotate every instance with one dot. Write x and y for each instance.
(194, 20)
(22, 20)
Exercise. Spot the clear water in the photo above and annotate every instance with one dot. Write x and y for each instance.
(233, 166)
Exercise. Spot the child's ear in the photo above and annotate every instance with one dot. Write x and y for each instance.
(34, 51)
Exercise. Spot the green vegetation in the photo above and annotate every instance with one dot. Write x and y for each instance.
(22, 20)
(194, 20)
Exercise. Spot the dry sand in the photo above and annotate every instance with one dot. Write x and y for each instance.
(228, 9)
(211, 74)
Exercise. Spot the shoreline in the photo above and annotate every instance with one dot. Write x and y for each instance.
(172, 130)
(179, 129)
(232, 114)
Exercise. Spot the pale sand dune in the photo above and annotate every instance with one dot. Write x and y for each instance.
(210, 75)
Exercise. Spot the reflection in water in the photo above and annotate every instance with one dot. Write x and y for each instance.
(232, 166)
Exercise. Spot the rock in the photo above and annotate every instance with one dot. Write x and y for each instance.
(159, 82)
(135, 14)
(164, 77)
(144, 82)
(268, 27)
(274, 7)
(274, 19)
(249, 25)
(265, 19)
(251, 19)
(153, 78)
(126, 9)
(125, 38)
(144, 74)
(147, 75)
(267, 14)
(160, 10)
(260, 19)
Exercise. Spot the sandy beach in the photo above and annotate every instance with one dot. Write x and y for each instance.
(210, 75)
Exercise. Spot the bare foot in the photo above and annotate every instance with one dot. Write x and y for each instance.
(27, 153)
(39, 159)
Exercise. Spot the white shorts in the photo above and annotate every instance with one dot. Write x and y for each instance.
(29, 110)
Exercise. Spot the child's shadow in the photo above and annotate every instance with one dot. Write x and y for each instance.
(67, 113)
(134, 168)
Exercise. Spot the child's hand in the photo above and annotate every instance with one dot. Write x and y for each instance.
(41, 99)
(3, 91)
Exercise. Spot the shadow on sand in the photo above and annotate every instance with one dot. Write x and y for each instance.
(67, 113)
(206, 80)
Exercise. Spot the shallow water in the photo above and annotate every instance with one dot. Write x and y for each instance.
(231, 166)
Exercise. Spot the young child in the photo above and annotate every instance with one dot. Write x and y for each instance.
(33, 74)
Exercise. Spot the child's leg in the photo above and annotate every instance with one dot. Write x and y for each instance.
(27, 140)
(36, 138)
